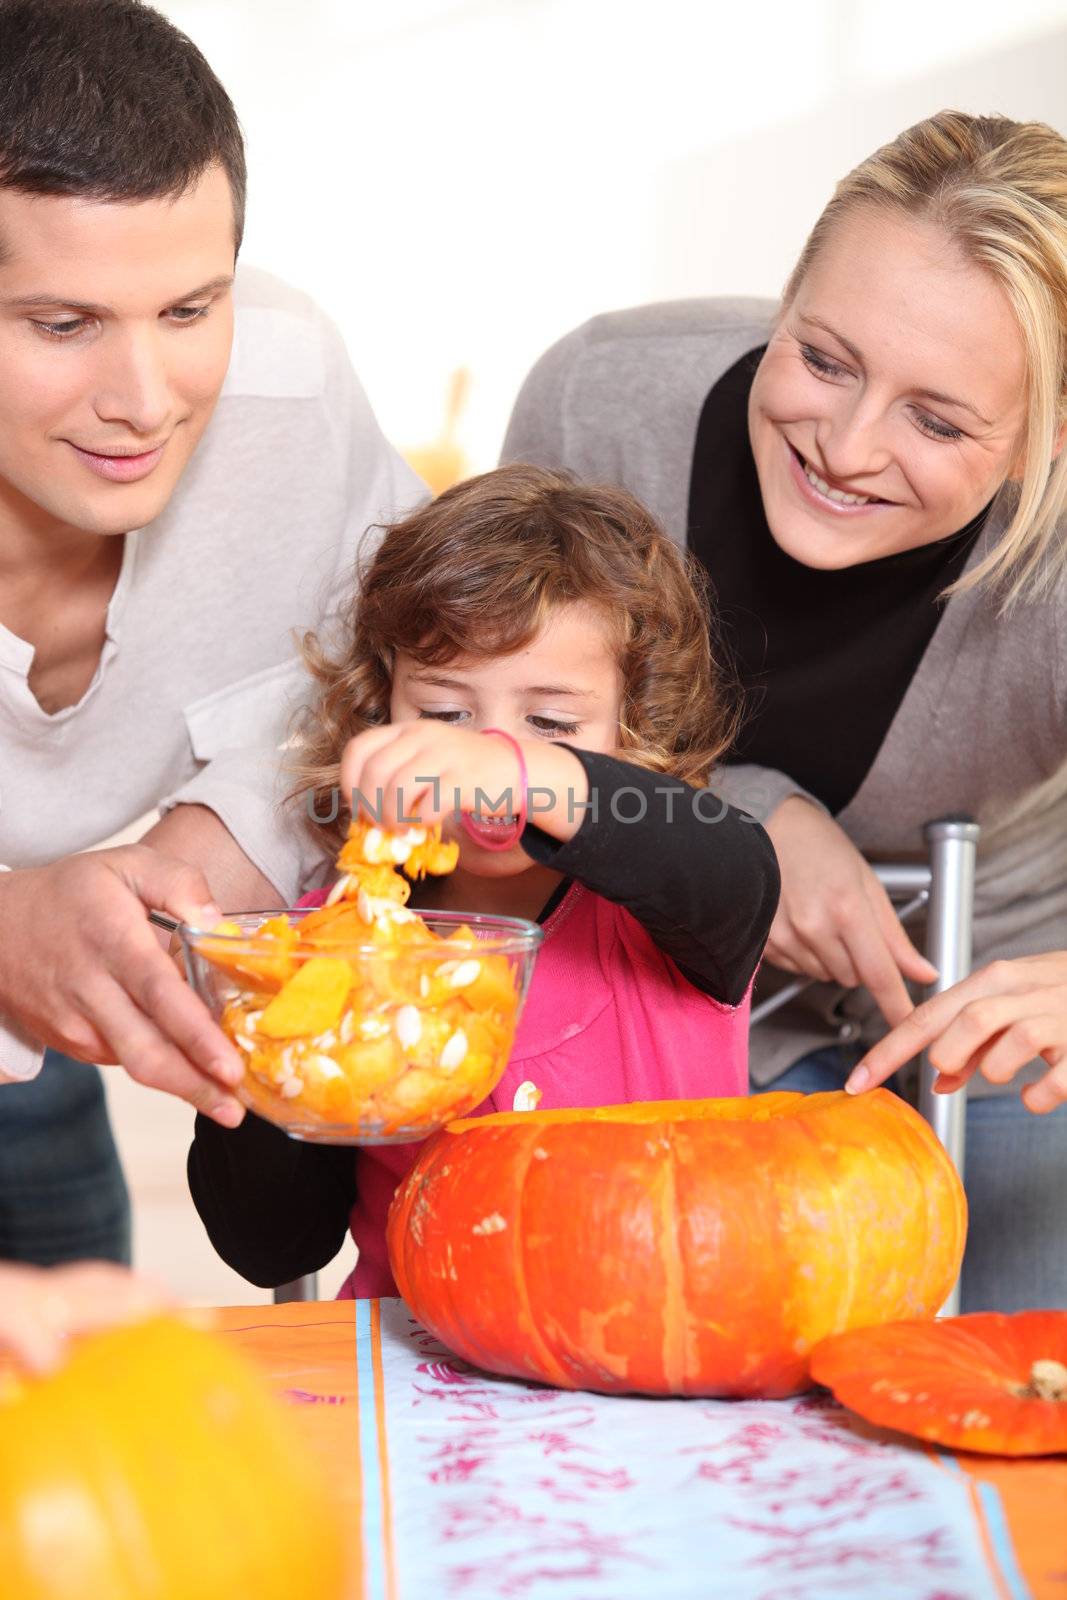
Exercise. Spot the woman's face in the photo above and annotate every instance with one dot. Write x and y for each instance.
(889, 405)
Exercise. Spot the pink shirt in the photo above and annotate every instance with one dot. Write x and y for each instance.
(608, 1019)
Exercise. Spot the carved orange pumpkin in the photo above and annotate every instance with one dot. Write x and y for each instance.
(984, 1382)
(681, 1247)
(155, 1466)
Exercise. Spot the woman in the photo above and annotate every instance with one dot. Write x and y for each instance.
(865, 473)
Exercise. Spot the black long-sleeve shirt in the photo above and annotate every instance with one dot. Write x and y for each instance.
(697, 874)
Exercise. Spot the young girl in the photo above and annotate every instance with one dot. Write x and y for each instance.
(557, 615)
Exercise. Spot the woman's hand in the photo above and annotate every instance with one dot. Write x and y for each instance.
(835, 922)
(994, 1022)
(41, 1307)
(427, 770)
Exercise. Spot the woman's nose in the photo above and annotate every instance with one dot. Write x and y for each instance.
(853, 443)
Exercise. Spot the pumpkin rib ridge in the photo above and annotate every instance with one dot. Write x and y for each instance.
(674, 1306)
(98, 1457)
(927, 1140)
(131, 1550)
(555, 1373)
(906, 1144)
(911, 1138)
(845, 1234)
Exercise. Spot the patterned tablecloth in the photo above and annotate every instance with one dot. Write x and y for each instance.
(458, 1484)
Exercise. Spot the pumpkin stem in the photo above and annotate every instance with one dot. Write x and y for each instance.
(1048, 1381)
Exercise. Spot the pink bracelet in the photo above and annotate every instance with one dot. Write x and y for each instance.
(513, 835)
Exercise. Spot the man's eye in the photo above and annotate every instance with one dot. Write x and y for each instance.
(188, 313)
(62, 328)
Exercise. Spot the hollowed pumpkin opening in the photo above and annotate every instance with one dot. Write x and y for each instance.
(758, 1108)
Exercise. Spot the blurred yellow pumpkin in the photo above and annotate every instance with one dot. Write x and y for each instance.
(155, 1466)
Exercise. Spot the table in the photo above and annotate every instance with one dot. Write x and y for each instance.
(455, 1483)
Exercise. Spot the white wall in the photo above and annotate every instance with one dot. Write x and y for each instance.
(460, 181)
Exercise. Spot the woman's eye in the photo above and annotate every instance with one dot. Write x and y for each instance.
(551, 725)
(820, 364)
(62, 328)
(937, 429)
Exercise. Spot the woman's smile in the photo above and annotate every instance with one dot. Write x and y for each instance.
(826, 494)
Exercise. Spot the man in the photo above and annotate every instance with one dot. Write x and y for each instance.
(168, 517)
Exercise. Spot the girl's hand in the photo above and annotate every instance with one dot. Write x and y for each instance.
(835, 922)
(431, 769)
(41, 1307)
(993, 1022)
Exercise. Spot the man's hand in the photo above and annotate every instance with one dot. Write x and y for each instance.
(993, 1022)
(835, 922)
(82, 970)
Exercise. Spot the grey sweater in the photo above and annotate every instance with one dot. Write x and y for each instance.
(983, 725)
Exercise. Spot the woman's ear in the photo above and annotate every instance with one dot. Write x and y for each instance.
(1060, 440)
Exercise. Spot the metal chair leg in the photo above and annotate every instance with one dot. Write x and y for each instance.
(305, 1288)
(953, 844)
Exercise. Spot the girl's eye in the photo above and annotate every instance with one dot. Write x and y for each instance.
(820, 364)
(441, 716)
(936, 429)
(550, 725)
(64, 328)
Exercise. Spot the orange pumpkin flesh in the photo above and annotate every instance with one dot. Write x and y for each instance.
(154, 1464)
(987, 1382)
(678, 1247)
(362, 1019)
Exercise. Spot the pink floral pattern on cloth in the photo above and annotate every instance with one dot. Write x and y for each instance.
(608, 1019)
(485, 1488)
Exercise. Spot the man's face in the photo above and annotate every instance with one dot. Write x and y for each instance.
(116, 324)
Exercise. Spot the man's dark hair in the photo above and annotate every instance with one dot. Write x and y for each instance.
(107, 99)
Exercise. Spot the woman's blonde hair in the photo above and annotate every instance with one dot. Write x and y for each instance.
(999, 190)
(478, 571)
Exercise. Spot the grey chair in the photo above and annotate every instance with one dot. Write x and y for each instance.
(305, 1288)
(945, 886)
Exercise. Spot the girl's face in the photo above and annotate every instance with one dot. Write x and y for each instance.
(565, 685)
(888, 408)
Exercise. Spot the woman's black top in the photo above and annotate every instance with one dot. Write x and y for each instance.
(824, 658)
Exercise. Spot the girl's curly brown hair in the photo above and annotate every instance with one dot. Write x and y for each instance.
(478, 571)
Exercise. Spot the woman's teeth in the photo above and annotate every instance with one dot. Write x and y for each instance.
(835, 494)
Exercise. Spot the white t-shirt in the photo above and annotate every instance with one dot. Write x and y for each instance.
(199, 674)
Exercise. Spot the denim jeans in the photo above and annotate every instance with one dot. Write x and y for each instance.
(63, 1196)
(1016, 1177)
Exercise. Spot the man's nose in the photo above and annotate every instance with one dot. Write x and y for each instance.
(133, 382)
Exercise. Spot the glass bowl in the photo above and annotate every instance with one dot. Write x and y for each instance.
(407, 1036)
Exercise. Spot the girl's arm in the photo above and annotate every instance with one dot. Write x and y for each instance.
(273, 1208)
(698, 875)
